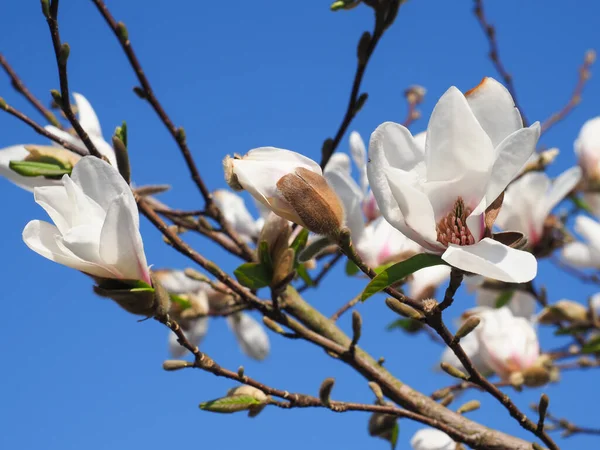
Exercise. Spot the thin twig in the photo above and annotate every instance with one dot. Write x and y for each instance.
(20, 87)
(324, 271)
(575, 99)
(490, 33)
(345, 308)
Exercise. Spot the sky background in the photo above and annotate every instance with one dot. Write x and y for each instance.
(79, 373)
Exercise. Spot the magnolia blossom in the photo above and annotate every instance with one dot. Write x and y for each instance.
(529, 200)
(89, 122)
(584, 254)
(521, 303)
(438, 197)
(424, 282)
(507, 344)
(96, 224)
(587, 149)
(359, 156)
(432, 439)
(250, 334)
(470, 345)
(237, 215)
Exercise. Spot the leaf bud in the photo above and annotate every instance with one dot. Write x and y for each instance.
(453, 371)
(325, 391)
(176, 364)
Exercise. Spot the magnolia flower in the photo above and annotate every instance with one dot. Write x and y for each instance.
(251, 335)
(359, 156)
(89, 122)
(96, 222)
(507, 344)
(587, 149)
(521, 303)
(438, 197)
(582, 254)
(470, 345)
(290, 185)
(432, 439)
(529, 200)
(236, 214)
(424, 282)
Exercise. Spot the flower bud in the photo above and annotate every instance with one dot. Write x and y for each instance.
(176, 364)
(325, 391)
(316, 204)
(383, 426)
(468, 407)
(468, 325)
(230, 177)
(563, 310)
(249, 391)
(453, 371)
(415, 94)
(536, 376)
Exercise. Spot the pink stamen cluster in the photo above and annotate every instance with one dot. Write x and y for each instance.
(453, 229)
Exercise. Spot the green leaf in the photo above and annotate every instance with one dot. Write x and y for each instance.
(574, 329)
(382, 267)
(399, 271)
(231, 404)
(504, 298)
(303, 274)
(394, 436)
(406, 324)
(183, 303)
(351, 268)
(38, 169)
(592, 346)
(253, 275)
(581, 204)
(121, 133)
(300, 241)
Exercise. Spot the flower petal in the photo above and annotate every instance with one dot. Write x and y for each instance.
(87, 116)
(590, 230)
(351, 196)
(251, 336)
(456, 145)
(425, 281)
(493, 260)
(121, 244)
(56, 203)
(359, 156)
(64, 136)
(41, 236)
(512, 154)
(580, 255)
(562, 185)
(339, 161)
(432, 439)
(494, 109)
(195, 335)
(176, 282)
(18, 153)
(235, 213)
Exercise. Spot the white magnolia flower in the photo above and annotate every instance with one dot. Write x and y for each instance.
(587, 149)
(359, 156)
(529, 200)
(424, 282)
(250, 334)
(470, 344)
(432, 439)
(339, 161)
(96, 222)
(521, 303)
(474, 147)
(586, 254)
(507, 344)
(88, 120)
(236, 214)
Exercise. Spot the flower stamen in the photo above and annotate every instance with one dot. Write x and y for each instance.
(452, 229)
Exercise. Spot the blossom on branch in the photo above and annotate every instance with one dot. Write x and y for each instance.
(431, 439)
(445, 198)
(584, 254)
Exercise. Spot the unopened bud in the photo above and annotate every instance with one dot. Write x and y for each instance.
(468, 325)
(325, 391)
(3, 104)
(251, 391)
(536, 376)
(241, 372)
(272, 325)
(453, 371)
(415, 94)
(195, 275)
(543, 405)
(230, 177)
(383, 426)
(360, 102)
(377, 391)
(122, 156)
(283, 266)
(449, 398)
(46, 8)
(356, 327)
(404, 310)
(317, 205)
(122, 32)
(563, 310)
(56, 97)
(363, 47)
(516, 380)
(176, 364)
(468, 407)
(63, 54)
(141, 93)
(441, 393)
(181, 136)
(590, 57)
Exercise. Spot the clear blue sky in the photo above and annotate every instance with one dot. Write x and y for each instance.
(79, 373)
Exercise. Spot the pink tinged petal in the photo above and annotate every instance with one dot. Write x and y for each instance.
(351, 196)
(416, 211)
(121, 243)
(370, 208)
(562, 185)
(235, 213)
(359, 156)
(580, 255)
(41, 237)
(494, 109)
(251, 336)
(87, 116)
(101, 182)
(18, 153)
(493, 260)
(456, 144)
(512, 154)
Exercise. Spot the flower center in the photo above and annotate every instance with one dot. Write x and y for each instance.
(452, 229)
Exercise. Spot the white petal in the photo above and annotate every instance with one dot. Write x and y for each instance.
(493, 260)
(235, 213)
(590, 230)
(588, 141)
(456, 144)
(580, 255)
(432, 439)
(470, 345)
(121, 243)
(425, 279)
(359, 156)
(41, 238)
(176, 282)
(87, 116)
(494, 109)
(521, 304)
(56, 203)
(83, 241)
(105, 149)
(195, 334)
(351, 196)
(84, 210)
(339, 161)
(512, 154)
(562, 185)
(251, 336)
(420, 139)
(101, 182)
(18, 153)
(64, 136)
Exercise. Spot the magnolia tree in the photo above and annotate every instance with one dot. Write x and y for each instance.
(467, 202)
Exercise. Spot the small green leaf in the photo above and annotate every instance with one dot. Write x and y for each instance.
(581, 204)
(142, 289)
(38, 169)
(394, 436)
(303, 274)
(592, 346)
(399, 271)
(382, 267)
(253, 275)
(300, 241)
(351, 268)
(231, 404)
(182, 302)
(406, 324)
(574, 329)
(504, 298)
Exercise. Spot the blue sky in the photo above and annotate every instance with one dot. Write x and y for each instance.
(80, 373)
